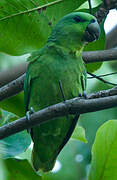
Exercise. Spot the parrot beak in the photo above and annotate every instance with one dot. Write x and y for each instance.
(92, 32)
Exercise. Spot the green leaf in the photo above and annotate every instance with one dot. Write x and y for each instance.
(15, 144)
(104, 153)
(26, 24)
(20, 170)
(3, 171)
(70, 163)
(79, 134)
(7, 61)
(6, 117)
(94, 4)
(26, 155)
(14, 104)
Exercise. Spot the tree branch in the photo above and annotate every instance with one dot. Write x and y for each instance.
(62, 109)
(111, 41)
(104, 9)
(101, 13)
(16, 86)
(12, 88)
(9, 75)
(100, 56)
(103, 93)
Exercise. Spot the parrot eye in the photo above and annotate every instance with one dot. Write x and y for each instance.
(92, 21)
(77, 19)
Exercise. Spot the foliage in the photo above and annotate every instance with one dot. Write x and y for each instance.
(25, 26)
(15, 144)
(30, 23)
(104, 161)
(20, 169)
(79, 134)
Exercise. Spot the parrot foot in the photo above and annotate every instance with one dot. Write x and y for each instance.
(31, 110)
(79, 95)
(28, 113)
(84, 95)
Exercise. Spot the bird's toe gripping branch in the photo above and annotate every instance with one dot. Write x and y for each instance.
(82, 95)
(28, 113)
(79, 94)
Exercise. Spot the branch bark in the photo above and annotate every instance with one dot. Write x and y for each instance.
(69, 107)
(104, 9)
(12, 88)
(111, 41)
(100, 56)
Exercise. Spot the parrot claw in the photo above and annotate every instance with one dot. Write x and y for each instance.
(28, 113)
(31, 110)
(79, 95)
(84, 95)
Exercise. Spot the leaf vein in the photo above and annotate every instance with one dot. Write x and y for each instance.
(30, 10)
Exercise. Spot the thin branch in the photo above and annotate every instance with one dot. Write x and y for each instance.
(100, 56)
(12, 88)
(101, 13)
(62, 109)
(111, 41)
(103, 75)
(101, 79)
(103, 93)
(104, 9)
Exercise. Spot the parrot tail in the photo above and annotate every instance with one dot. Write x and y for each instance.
(38, 165)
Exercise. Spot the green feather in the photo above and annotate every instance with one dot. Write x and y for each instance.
(59, 60)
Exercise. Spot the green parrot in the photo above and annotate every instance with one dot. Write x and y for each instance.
(57, 72)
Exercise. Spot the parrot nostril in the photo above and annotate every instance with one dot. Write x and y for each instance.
(93, 21)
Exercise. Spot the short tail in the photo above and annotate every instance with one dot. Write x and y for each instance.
(40, 165)
(45, 165)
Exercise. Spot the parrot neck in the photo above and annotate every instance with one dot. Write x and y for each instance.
(67, 41)
(66, 48)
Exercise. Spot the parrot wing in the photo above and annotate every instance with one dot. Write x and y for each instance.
(31, 74)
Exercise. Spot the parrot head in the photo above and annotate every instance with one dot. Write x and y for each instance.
(75, 30)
